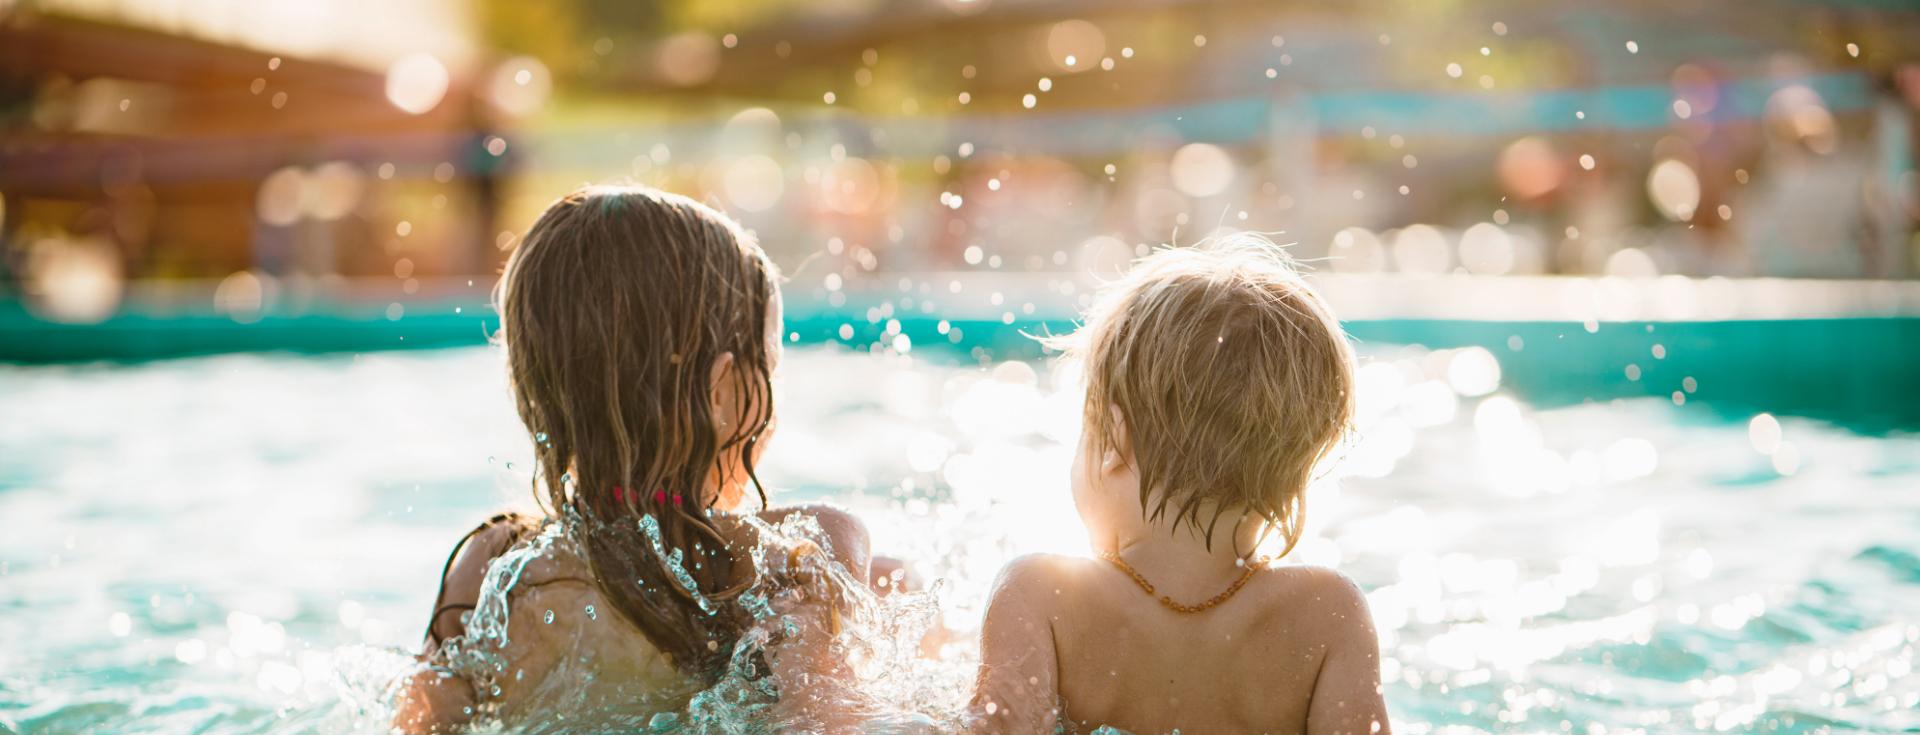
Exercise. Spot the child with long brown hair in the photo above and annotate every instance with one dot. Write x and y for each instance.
(641, 330)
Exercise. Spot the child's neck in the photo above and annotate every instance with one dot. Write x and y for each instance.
(1162, 546)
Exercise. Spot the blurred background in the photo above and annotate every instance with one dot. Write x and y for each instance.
(197, 176)
(1634, 285)
(162, 161)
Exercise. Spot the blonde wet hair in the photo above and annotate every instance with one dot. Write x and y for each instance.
(1224, 374)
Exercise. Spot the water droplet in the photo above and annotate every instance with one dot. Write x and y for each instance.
(549, 617)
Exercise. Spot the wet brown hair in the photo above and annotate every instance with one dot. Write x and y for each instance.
(614, 309)
(1232, 378)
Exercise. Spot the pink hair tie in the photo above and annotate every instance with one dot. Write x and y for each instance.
(619, 494)
(660, 496)
(676, 500)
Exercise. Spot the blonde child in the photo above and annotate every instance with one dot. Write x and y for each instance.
(1216, 381)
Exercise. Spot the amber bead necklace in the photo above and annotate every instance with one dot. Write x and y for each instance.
(1252, 565)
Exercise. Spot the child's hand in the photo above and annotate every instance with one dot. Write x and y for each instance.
(812, 676)
(433, 701)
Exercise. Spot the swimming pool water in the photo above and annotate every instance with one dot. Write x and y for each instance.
(249, 543)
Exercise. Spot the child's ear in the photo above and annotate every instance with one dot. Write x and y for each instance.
(1120, 453)
(720, 389)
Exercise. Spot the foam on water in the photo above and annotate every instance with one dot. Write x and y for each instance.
(251, 543)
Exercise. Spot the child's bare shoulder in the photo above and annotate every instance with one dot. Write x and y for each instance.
(840, 524)
(845, 532)
(1318, 597)
(1034, 590)
(1308, 579)
(1041, 576)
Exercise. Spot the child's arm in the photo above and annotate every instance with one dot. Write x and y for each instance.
(1346, 696)
(806, 669)
(845, 532)
(433, 700)
(1017, 690)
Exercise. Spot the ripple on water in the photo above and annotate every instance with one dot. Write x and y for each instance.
(273, 555)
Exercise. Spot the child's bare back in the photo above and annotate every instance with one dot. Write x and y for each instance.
(1292, 651)
(557, 642)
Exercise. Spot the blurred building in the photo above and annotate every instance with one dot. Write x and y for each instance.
(286, 143)
(132, 153)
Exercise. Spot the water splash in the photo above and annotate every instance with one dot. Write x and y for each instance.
(802, 604)
(880, 680)
(1441, 522)
(477, 654)
(676, 563)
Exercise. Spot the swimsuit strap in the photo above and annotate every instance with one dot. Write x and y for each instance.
(522, 526)
(433, 637)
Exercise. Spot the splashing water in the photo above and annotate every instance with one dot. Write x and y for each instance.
(207, 563)
(885, 683)
(477, 654)
(676, 562)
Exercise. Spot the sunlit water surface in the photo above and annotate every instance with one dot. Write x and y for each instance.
(251, 543)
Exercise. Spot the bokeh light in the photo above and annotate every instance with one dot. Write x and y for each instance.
(417, 82)
(687, 59)
(754, 183)
(1357, 250)
(1202, 169)
(76, 280)
(1473, 371)
(520, 85)
(281, 196)
(332, 191)
(1075, 45)
(1421, 250)
(241, 296)
(1674, 189)
(1105, 256)
(850, 186)
(1487, 250)
(1531, 168)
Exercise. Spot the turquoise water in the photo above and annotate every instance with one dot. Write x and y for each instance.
(250, 543)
